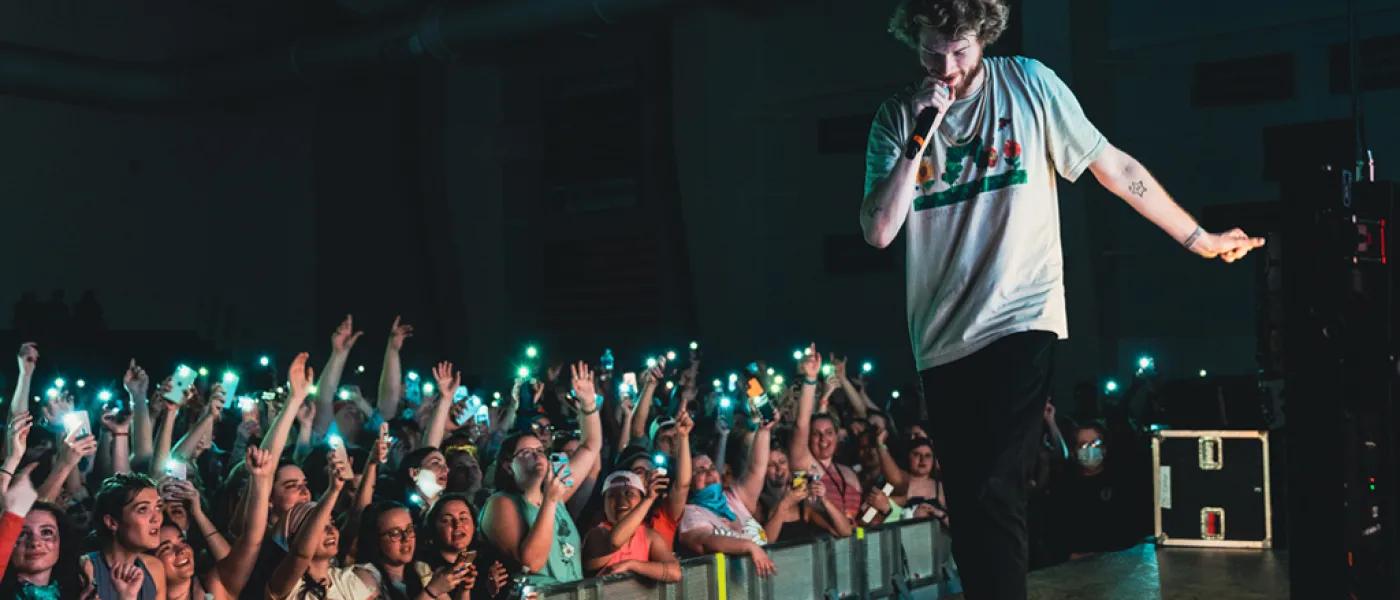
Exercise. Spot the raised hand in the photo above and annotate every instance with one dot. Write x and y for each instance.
(447, 380)
(260, 463)
(28, 358)
(300, 376)
(1229, 246)
(796, 494)
(537, 390)
(116, 425)
(72, 450)
(127, 579)
(777, 416)
(345, 336)
(838, 367)
(811, 364)
(583, 384)
(183, 491)
(249, 427)
(398, 333)
(816, 489)
(17, 435)
(654, 376)
(56, 407)
(684, 424)
(338, 469)
(136, 381)
(217, 398)
(448, 578)
(306, 415)
(656, 484)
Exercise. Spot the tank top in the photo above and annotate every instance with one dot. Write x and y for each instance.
(636, 548)
(842, 486)
(565, 563)
(102, 579)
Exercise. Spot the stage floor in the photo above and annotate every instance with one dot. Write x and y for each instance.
(1149, 573)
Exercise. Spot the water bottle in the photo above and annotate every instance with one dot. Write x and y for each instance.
(607, 361)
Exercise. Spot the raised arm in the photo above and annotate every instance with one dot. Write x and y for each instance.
(591, 425)
(448, 380)
(138, 384)
(751, 484)
(893, 474)
(799, 455)
(233, 571)
(643, 410)
(391, 375)
(675, 501)
(16, 442)
(342, 341)
(72, 450)
(28, 359)
(1128, 179)
(308, 537)
(505, 526)
(299, 377)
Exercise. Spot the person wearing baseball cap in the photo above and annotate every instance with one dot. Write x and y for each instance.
(623, 543)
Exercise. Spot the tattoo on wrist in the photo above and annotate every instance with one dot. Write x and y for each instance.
(1138, 189)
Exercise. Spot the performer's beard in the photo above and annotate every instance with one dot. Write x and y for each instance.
(967, 83)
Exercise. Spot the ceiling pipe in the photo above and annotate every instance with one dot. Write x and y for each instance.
(437, 31)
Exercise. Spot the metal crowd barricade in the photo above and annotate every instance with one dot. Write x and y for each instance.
(909, 559)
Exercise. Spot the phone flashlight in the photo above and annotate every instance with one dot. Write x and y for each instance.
(778, 379)
(771, 371)
(797, 355)
(895, 394)
(203, 372)
(718, 384)
(335, 441)
(344, 394)
(230, 377)
(670, 385)
(58, 383)
(247, 403)
(867, 367)
(312, 389)
(412, 376)
(651, 363)
(72, 421)
(52, 393)
(671, 355)
(264, 361)
(724, 402)
(523, 372)
(659, 459)
(104, 395)
(532, 352)
(416, 499)
(496, 395)
(695, 345)
(427, 388)
(81, 384)
(826, 369)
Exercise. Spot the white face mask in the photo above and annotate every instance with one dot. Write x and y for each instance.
(1091, 456)
(427, 483)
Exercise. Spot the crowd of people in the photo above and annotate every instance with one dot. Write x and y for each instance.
(181, 489)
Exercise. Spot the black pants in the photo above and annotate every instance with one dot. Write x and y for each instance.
(986, 412)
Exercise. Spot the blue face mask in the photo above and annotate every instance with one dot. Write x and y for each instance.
(1090, 457)
(711, 497)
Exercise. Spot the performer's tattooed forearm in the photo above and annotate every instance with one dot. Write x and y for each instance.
(1138, 189)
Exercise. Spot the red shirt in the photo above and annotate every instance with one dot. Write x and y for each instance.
(10, 526)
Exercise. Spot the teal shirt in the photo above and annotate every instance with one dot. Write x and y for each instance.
(565, 563)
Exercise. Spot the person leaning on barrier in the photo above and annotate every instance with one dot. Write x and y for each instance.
(720, 520)
(623, 543)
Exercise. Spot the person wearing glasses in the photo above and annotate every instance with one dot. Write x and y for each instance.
(526, 519)
(385, 549)
(1097, 506)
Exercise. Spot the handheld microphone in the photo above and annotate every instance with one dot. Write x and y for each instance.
(922, 124)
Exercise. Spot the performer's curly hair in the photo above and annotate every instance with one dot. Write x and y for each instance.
(952, 18)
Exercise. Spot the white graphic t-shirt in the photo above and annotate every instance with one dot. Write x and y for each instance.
(984, 258)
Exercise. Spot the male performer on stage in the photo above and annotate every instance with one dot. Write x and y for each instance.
(986, 297)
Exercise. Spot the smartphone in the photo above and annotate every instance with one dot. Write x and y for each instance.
(230, 385)
(384, 435)
(483, 415)
(247, 404)
(77, 424)
(467, 556)
(181, 381)
(461, 394)
(560, 463)
(337, 445)
(175, 469)
(799, 479)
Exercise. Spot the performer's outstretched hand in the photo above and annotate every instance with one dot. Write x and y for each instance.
(1229, 246)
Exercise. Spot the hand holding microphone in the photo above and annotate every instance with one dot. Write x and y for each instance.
(930, 103)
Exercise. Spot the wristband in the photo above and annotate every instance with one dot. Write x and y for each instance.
(7, 472)
(585, 412)
(812, 382)
(1191, 239)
